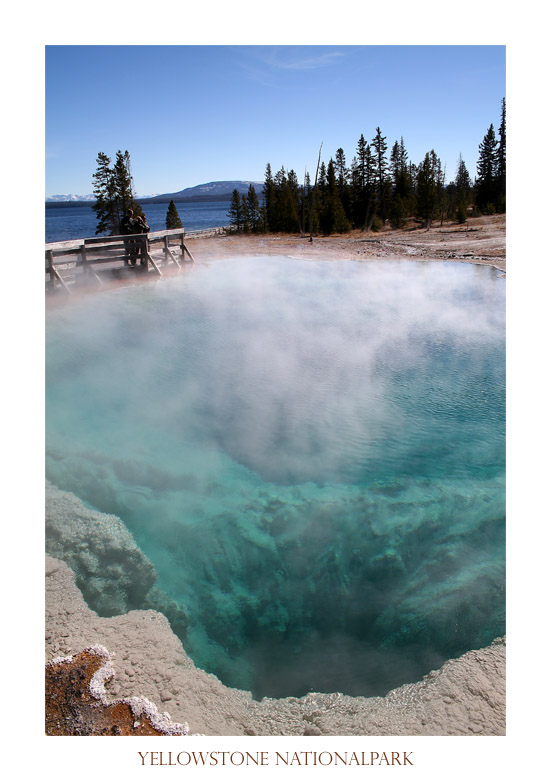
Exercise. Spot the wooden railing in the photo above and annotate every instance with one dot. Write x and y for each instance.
(118, 251)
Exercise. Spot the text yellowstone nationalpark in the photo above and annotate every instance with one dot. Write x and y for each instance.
(263, 758)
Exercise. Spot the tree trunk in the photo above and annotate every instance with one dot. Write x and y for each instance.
(314, 197)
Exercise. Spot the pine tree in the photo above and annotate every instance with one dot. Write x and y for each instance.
(341, 171)
(461, 212)
(395, 164)
(427, 193)
(321, 193)
(104, 193)
(398, 211)
(235, 212)
(333, 218)
(343, 176)
(292, 206)
(486, 190)
(381, 168)
(172, 217)
(462, 178)
(501, 162)
(399, 170)
(362, 194)
(253, 207)
(268, 194)
(279, 212)
(124, 185)
(439, 180)
(402, 195)
(245, 219)
(463, 190)
(364, 169)
(304, 202)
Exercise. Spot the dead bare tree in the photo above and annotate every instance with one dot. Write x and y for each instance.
(314, 197)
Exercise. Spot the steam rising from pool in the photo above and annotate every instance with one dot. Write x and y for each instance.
(310, 454)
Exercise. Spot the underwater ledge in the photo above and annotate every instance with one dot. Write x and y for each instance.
(466, 696)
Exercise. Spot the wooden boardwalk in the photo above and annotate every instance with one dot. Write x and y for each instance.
(88, 260)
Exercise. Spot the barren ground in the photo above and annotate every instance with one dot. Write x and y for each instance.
(481, 240)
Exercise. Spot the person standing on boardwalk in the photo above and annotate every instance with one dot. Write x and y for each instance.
(142, 227)
(128, 227)
(141, 224)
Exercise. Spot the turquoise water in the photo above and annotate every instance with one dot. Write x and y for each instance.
(311, 454)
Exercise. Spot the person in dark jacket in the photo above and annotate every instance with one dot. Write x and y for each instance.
(142, 224)
(142, 227)
(128, 227)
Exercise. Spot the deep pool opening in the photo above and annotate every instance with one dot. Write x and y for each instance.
(310, 455)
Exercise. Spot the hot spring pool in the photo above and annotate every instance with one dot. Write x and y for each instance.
(311, 454)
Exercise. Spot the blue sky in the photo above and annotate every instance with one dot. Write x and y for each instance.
(193, 114)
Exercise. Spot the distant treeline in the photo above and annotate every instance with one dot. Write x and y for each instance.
(223, 198)
(374, 190)
(59, 204)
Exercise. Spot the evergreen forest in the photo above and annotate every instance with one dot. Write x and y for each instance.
(379, 187)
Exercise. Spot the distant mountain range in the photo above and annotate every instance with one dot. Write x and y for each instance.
(211, 191)
(70, 197)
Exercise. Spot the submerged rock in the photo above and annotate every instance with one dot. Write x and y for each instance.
(111, 570)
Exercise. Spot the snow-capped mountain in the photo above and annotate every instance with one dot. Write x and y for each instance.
(216, 188)
(70, 197)
(207, 191)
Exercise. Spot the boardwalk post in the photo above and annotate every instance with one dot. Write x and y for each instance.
(87, 268)
(167, 251)
(144, 252)
(189, 253)
(169, 255)
(50, 256)
(54, 273)
(83, 259)
(185, 249)
(155, 266)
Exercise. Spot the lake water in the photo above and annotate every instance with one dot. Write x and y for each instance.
(312, 455)
(79, 222)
